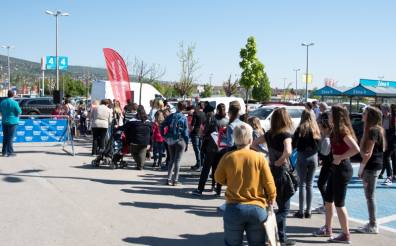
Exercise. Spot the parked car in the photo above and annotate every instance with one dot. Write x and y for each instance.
(264, 113)
(214, 101)
(37, 106)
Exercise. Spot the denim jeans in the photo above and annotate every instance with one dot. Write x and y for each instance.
(369, 183)
(306, 165)
(176, 151)
(196, 141)
(239, 218)
(8, 139)
(158, 149)
(281, 215)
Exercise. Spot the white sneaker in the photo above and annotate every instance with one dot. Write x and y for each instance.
(368, 229)
(388, 181)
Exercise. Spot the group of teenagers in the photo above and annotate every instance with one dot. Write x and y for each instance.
(255, 167)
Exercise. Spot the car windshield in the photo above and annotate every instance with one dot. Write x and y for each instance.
(261, 113)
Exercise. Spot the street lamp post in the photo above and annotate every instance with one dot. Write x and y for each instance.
(296, 70)
(8, 47)
(56, 14)
(306, 75)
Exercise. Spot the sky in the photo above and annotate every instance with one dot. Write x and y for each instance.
(353, 39)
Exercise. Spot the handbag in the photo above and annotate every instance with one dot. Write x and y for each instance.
(271, 228)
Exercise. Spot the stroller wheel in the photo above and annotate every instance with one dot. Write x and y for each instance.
(112, 164)
(95, 163)
(123, 164)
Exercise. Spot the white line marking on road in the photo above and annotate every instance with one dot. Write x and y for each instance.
(386, 219)
(362, 222)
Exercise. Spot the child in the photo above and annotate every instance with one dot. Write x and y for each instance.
(158, 139)
(258, 131)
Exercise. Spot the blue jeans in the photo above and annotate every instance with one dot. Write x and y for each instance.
(306, 165)
(242, 217)
(8, 139)
(158, 149)
(281, 215)
(197, 144)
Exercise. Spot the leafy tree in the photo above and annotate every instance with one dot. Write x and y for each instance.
(262, 91)
(252, 68)
(230, 88)
(189, 66)
(73, 87)
(208, 90)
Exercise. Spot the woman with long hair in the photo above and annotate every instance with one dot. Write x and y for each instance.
(372, 147)
(279, 143)
(306, 139)
(389, 128)
(117, 113)
(343, 146)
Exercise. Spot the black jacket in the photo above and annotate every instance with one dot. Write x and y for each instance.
(138, 132)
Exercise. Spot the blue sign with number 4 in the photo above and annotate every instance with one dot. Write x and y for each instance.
(51, 62)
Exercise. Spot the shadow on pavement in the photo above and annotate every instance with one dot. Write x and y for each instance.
(11, 179)
(31, 171)
(103, 181)
(205, 211)
(168, 191)
(186, 239)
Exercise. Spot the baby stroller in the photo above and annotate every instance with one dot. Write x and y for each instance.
(113, 153)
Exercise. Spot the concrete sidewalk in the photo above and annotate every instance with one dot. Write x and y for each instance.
(50, 198)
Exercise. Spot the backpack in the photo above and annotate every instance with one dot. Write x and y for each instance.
(176, 127)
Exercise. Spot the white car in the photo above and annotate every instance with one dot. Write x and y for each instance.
(214, 101)
(264, 113)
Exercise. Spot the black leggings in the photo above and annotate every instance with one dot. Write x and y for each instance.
(99, 137)
(338, 180)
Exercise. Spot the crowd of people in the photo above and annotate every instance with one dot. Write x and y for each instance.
(255, 165)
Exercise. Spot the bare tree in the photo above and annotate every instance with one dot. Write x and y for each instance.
(230, 88)
(189, 66)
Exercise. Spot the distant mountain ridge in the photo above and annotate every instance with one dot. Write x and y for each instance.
(31, 69)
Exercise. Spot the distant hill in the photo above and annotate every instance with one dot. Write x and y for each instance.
(29, 69)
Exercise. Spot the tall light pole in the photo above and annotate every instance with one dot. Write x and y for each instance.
(56, 14)
(296, 70)
(8, 47)
(306, 75)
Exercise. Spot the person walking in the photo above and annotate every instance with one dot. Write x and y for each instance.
(177, 139)
(138, 134)
(279, 143)
(10, 111)
(101, 119)
(306, 139)
(250, 190)
(372, 147)
(197, 123)
(158, 139)
(343, 146)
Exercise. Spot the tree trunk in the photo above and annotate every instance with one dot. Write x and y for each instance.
(246, 105)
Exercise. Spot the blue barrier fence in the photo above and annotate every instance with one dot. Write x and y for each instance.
(42, 129)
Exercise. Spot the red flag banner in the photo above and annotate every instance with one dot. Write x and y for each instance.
(118, 75)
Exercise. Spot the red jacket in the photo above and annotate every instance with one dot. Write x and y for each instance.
(157, 137)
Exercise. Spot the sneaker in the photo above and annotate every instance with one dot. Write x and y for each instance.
(324, 231)
(368, 229)
(307, 215)
(388, 181)
(341, 238)
(380, 176)
(168, 182)
(288, 242)
(196, 192)
(299, 215)
(176, 183)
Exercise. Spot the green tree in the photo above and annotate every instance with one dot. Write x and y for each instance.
(208, 90)
(262, 91)
(252, 68)
(73, 87)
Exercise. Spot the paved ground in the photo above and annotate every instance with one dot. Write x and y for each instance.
(50, 198)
